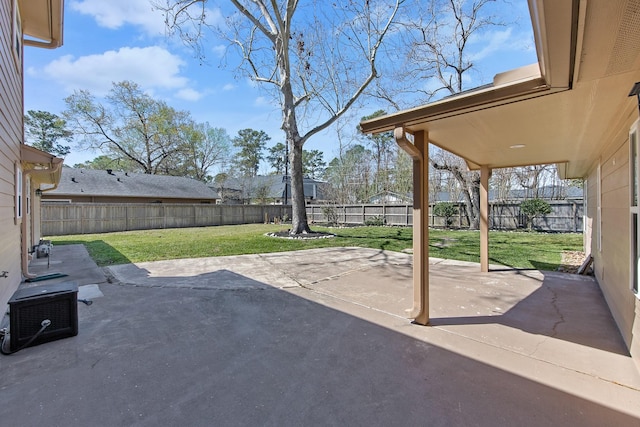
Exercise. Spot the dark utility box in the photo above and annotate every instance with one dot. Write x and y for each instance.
(29, 307)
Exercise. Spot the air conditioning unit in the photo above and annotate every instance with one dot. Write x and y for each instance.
(30, 309)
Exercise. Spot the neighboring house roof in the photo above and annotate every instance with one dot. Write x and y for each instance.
(548, 192)
(270, 186)
(390, 197)
(556, 111)
(92, 182)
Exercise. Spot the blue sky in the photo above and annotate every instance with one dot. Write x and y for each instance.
(115, 40)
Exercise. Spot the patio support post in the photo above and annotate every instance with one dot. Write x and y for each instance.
(485, 173)
(419, 151)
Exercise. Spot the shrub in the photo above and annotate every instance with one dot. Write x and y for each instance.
(534, 208)
(330, 213)
(374, 221)
(446, 210)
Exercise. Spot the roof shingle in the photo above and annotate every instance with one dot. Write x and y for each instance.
(92, 182)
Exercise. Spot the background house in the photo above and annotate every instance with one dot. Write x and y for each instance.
(269, 189)
(23, 169)
(107, 186)
(546, 193)
(390, 197)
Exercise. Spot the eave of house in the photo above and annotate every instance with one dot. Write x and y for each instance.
(44, 168)
(559, 111)
(42, 22)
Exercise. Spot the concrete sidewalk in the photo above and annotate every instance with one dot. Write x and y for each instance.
(320, 337)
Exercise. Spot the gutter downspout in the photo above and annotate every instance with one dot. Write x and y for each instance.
(53, 168)
(419, 152)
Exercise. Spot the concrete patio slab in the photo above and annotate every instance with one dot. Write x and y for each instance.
(255, 340)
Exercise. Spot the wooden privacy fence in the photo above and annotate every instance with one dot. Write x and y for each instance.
(88, 218)
(565, 216)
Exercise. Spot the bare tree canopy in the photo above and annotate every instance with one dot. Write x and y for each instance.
(440, 45)
(130, 125)
(316, 59)
(204, 147)
(140, 133)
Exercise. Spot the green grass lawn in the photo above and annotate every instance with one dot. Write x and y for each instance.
(514, 249)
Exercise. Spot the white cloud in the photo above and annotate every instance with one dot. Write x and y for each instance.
(228, 87)
(151, 67)
(260, 101)
(114, 14)
(189, 94)
(500, 41)
(219, 50)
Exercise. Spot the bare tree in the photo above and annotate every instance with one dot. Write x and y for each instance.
(440, 46)
(502, 181)
(205, 147)
(130, 125)
(350, 176)
(317, 63)
(469, 182)
(533, 179)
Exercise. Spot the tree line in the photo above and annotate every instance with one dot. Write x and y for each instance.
(319, 64)
(136, 133)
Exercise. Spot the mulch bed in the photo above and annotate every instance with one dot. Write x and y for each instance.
(571, 261)
(284, 234)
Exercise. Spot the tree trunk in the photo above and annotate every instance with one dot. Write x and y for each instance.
(474, 190)
(299, 224)
(470, 185)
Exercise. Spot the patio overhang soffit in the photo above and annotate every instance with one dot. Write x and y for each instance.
(559, 110)
(42, 22)
(44, 168)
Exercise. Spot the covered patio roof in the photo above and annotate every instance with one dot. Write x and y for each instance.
(42, 22)
(556, 111)
(45, 168)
